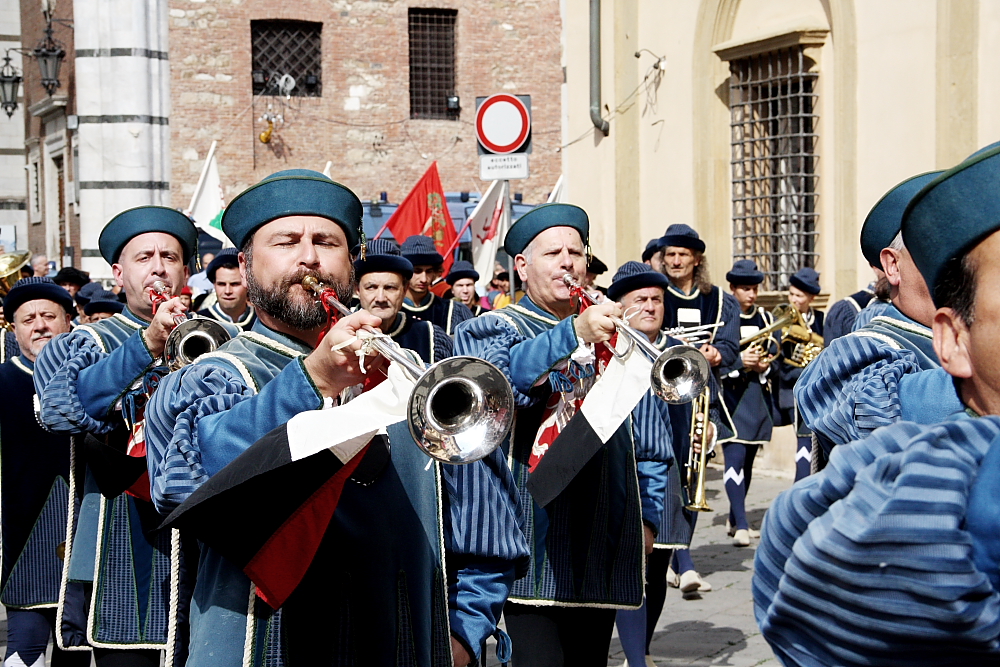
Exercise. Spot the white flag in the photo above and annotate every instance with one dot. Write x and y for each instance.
(556, 196)
(489, 223)
(207, 203)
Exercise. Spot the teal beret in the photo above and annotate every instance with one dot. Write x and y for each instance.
(142, 220)
(886, 217)
(952, 214)
(543, 217)
(288, 193)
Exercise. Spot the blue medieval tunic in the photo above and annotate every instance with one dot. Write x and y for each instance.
(215, 312)
(747, 394)
(788, 377)
(446, 313)
(425, 338)
(207, 414)
(607, 501)
(863, 381)
(874, 308)
(871, 561)
(841, 316)
(95, 381)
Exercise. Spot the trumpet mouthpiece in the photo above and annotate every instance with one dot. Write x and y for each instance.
(569, 280)
(310, 282)
(160, 286)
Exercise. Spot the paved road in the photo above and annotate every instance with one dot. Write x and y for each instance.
(719, 628)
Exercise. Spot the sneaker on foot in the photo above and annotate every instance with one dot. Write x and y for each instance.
(649, 662)
(741, 538)
(672, 578)
(691, 581)
(754, 533)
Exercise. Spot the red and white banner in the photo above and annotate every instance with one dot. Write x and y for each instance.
(425, 211)
(489, 223)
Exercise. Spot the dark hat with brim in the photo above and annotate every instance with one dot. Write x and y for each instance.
(745, 272)
(383, 256)
(87, 292)
(633, 275)
(680, 235)
(288, 193)
(142, 220)
(543, 217)
(596, 266)
(421, 251)
(806, 279)
(228, 258)
(886, 218)
(104, 302)
(652, 248)
(503, 275)
(462, 269)
(71, 275)
(952, 214)
(33, 289)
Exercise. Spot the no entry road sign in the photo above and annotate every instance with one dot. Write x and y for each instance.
(503, 123)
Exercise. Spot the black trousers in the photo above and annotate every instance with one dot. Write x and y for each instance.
(559, 636)
(657, 564)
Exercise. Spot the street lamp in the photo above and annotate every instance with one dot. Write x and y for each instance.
(10, 80)
(49, 53)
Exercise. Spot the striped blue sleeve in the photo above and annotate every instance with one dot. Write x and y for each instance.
(654, 453)
(203, 416)
(78, 384)
(983, 517)
(485, 542)
(852, 388)
(443, 344)
(869, 562)
(525, 361)
(839, 321)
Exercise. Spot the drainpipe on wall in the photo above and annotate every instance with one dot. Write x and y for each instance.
(595, 68)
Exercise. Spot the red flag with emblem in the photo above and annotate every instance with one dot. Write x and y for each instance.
(425, 211)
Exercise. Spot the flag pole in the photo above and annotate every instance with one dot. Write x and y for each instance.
(510, 260)
(201, 179)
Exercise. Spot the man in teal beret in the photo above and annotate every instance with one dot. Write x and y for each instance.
(94, 382)
(563, 612)
(903, 525)
(207, 417)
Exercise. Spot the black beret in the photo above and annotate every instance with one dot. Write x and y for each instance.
(383, 256)
(71, 275)
(32, 289)
(651, 249)
(104, 301)
(633, 275)
(806, 279)
(680, 235)
(745, 273)
(227, 258)
(462, 269)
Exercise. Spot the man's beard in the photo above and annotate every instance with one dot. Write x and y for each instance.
(277, 301)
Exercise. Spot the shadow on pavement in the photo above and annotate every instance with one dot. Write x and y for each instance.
(688, 642)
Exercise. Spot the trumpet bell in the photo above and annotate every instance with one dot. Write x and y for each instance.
(460, 410)
(191, 339)
(680, 374)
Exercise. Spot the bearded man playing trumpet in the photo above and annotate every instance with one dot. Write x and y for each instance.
(412, 561)
(94, 382)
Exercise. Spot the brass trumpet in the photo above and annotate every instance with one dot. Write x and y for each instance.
(461, 408)
(697, 464)
(190, 338)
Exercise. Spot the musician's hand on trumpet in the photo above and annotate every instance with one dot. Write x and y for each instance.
(712, 354)
(163, 322)
(753, 360)
(708, 436)
(594, 324)
(334, 368)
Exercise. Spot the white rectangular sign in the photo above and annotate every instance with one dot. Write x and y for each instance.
(503, 167)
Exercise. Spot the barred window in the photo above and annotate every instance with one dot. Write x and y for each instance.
(432, 63)
(287, 51)
(772, 102)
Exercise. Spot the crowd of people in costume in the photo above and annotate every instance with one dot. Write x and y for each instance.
(223, 511)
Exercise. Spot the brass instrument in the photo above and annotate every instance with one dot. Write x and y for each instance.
(679, 373)
(697, 464)
(190, 338)
(784, 316)
(800, 345)
(694, 336)
(460, 409)
(10, 267)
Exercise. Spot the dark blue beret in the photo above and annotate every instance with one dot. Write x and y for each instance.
(71, 275)
(226, 258)
(596, 266)
(543, 217)
(381, 256)
(104, 301)
(86, 292)
(745, 272)
(886, 217)
(462, 269)
(288, 193)
(144, 219)
(806, 279)
(635, 275)
(651, 249)
(32, 289)
(680, 235)
(952, 214)
(421, 251)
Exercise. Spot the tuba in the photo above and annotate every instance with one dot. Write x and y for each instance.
(190, 338)
(10, 266)
(460, 409)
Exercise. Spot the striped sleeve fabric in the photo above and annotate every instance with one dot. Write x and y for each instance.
(839, 320)
(654, 453)
(852, 388)
(869, 562)
(727, 339)
(443, 344)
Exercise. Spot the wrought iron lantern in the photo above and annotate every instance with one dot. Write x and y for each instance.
(10, 81)
(49, 53)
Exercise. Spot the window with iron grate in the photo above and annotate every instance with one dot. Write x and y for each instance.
(432, 62)
(772, 102)
(283, 49)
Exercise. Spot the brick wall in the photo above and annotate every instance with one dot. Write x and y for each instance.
(502, 46)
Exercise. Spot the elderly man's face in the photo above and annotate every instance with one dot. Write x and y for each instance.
(286, 250)
(381, 294)
(552, 254)
(41, 265)
(644, 308)
(464, 290)
(144, 260)
(36, 322)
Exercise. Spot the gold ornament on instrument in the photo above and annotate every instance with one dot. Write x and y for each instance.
(190, 338)
(766, 346)
(800, 345)
(460, 409)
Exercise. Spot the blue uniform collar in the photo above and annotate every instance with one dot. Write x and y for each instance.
(289, 341)
(532, 308)
(129, 315)
(424, 304)
(25, 364)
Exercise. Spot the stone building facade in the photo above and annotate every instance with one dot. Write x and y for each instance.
(361, 118)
